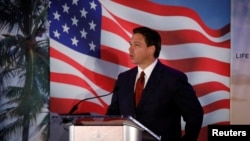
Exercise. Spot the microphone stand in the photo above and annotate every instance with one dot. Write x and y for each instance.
(69, 119)
(75, 107)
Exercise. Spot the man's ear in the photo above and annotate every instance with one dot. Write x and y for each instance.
(152, 49)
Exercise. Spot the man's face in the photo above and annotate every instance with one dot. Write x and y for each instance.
(139, 53)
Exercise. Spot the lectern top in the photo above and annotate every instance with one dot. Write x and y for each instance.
(108, 120)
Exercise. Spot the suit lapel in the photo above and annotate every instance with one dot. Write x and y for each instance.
(131, 85)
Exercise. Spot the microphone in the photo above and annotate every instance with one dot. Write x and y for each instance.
(75, 107)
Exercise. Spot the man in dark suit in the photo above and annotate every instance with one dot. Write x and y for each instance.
(167, 96)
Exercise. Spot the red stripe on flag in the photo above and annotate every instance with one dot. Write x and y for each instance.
(189, 36)
(200, 64)
(116, 56)
(106, 83)
(113, 27)
(63, 106)
(203, 89)
(220, 104)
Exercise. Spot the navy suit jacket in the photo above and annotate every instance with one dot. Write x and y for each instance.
(166, 98)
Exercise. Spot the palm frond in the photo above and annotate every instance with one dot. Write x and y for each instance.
(14, 127)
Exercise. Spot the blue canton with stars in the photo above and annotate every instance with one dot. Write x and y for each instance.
(76, 24)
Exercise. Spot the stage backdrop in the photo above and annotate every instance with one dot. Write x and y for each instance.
(240, 76)
(89, 47)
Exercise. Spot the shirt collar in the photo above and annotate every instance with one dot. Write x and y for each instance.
(147, 70)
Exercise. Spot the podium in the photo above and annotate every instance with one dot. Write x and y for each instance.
(109, 128)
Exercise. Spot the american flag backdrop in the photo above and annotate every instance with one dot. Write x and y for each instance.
(89, 47)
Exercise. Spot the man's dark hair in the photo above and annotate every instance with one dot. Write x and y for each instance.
(152, 37)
